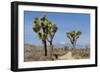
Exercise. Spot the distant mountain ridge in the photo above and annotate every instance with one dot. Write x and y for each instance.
(58, 45)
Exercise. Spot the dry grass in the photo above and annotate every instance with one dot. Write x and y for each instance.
(81, 53)
(33, 53)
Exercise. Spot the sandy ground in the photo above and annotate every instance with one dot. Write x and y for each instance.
(66, 56)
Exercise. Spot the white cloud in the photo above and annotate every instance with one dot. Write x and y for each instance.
(62, 42)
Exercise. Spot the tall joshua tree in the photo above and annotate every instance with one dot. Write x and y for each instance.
(73, 36)
(45, 30)
(52, 29)
(40, 28)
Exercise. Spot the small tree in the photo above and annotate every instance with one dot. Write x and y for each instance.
(73, 36)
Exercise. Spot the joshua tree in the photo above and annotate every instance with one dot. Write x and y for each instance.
(46, 31)
(40, 28)
(52, 29)
(73, 36)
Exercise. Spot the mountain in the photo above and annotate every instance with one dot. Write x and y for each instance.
(58, 45)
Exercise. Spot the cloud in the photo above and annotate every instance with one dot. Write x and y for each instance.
(62, 42)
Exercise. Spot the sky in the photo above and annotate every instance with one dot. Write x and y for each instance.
(65, 22)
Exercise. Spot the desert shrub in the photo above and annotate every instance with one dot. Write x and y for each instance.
(81, 53)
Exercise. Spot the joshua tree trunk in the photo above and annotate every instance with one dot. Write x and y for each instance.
(51, 48)
(45, 46)
(74, 44)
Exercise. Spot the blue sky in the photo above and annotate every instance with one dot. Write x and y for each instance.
(65, 22)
